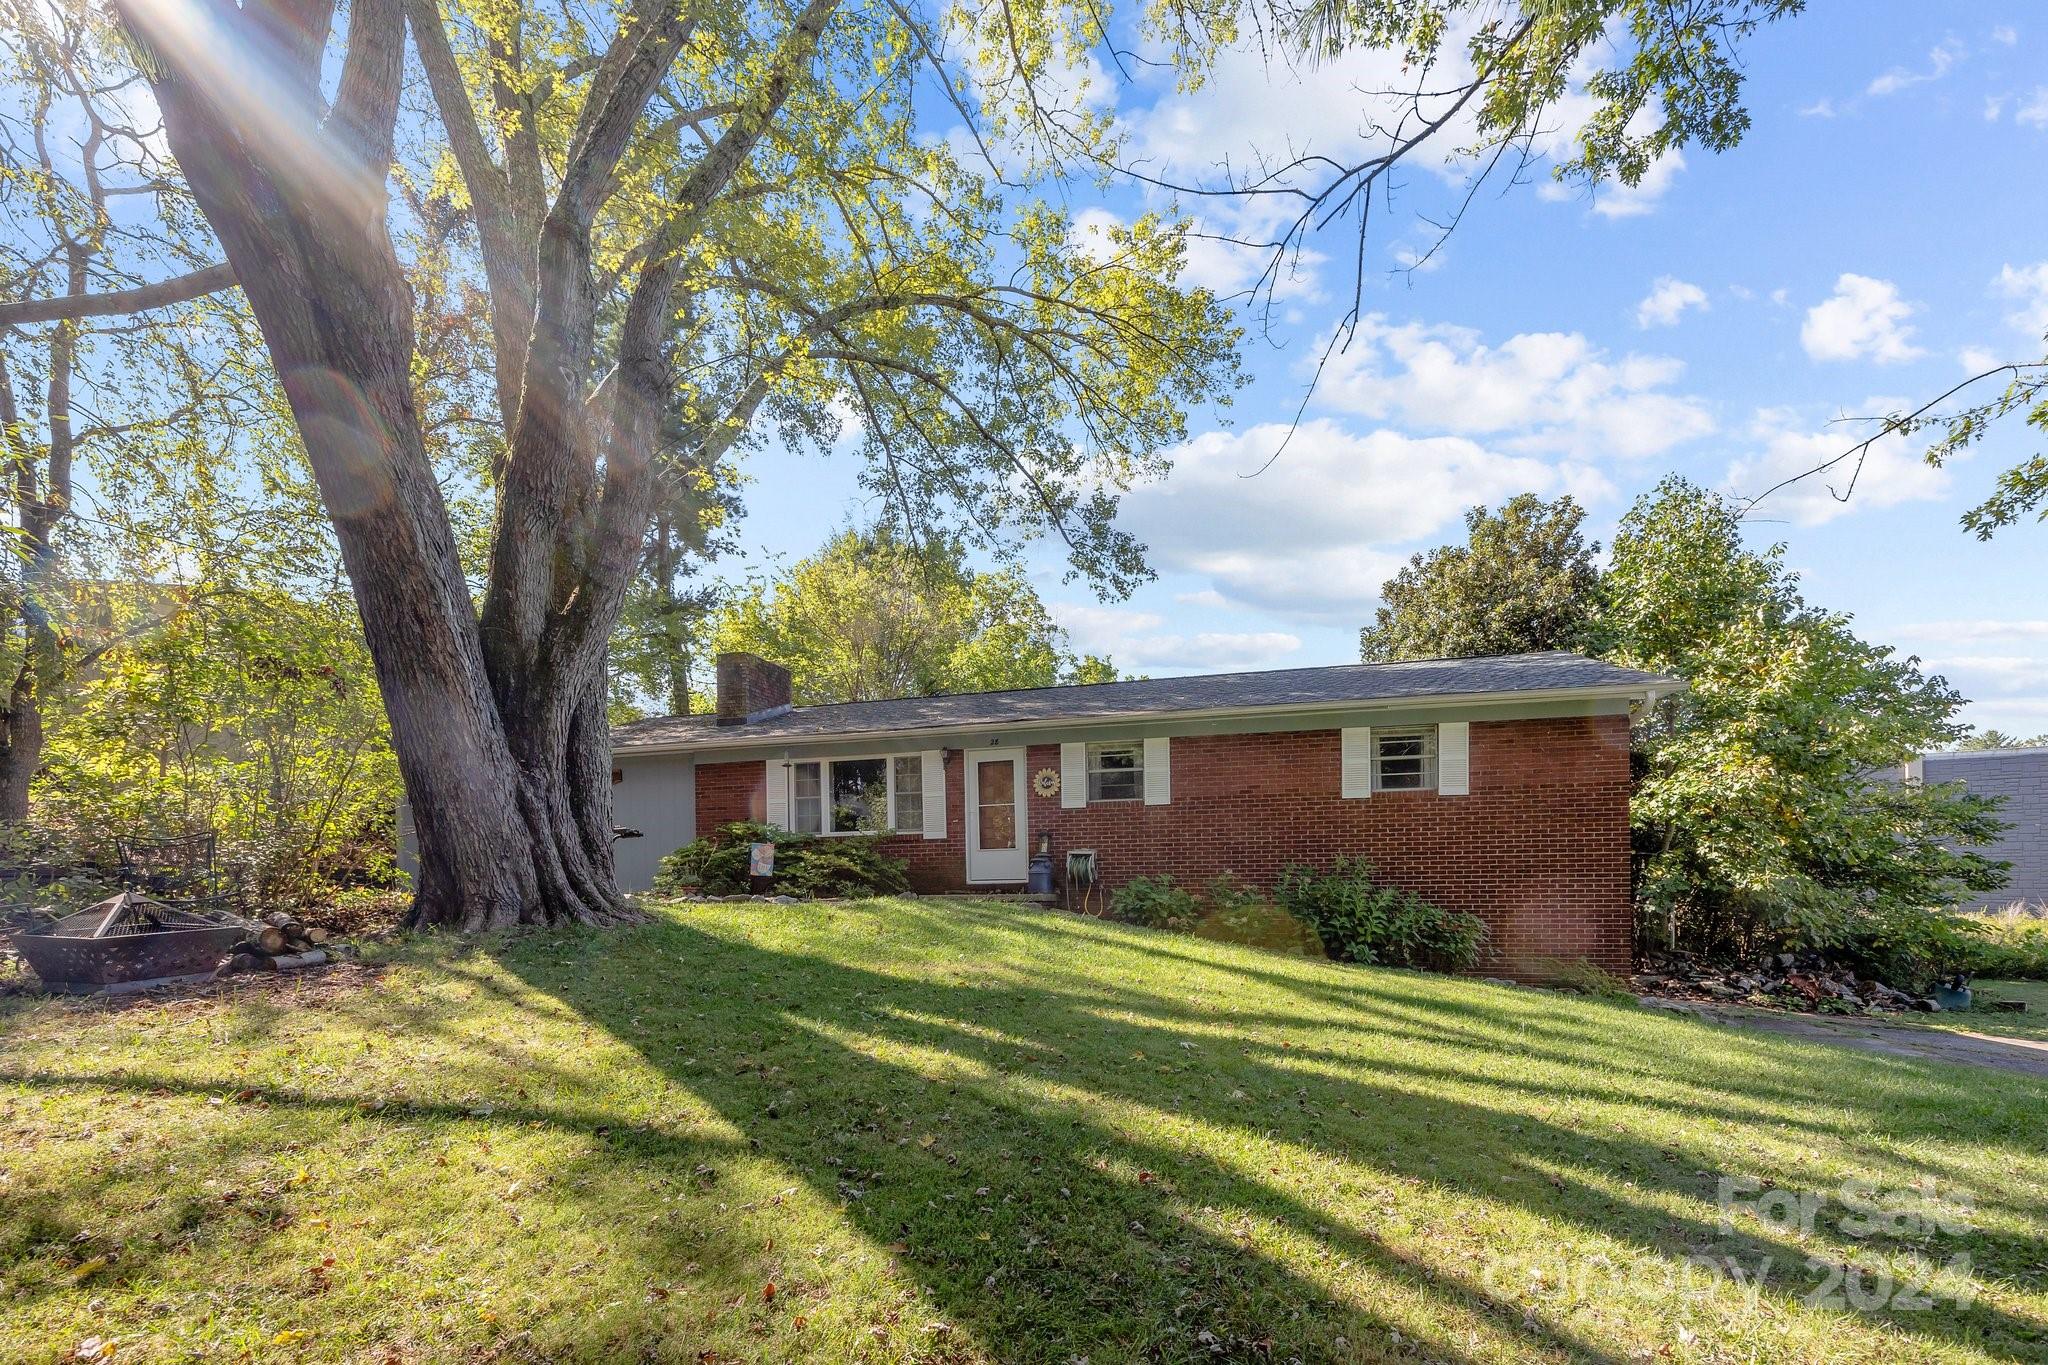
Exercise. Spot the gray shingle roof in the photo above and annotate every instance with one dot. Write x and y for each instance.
(1278, 689)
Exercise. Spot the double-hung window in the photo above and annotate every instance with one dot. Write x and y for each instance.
(906, 791)
(1404, 760)
(857, 795)
(1116, 772)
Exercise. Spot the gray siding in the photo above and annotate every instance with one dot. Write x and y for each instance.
(657, 795)
(2021, 777)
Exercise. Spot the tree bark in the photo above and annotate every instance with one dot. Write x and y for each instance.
(299, 205)
(21, 745)
(497, 718)
(140, 299)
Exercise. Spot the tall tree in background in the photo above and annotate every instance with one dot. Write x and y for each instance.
(871, 616)
(73, 274)
(1772, 811)
(1999, 739)
(664, 627)
(722, 213)
(1524, 580)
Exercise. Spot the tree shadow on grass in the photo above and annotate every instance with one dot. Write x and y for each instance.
(1057, 1161)
(1063, 1183)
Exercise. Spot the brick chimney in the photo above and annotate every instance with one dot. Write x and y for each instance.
(750, 689)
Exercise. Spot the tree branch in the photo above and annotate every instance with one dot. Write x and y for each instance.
(162, 294)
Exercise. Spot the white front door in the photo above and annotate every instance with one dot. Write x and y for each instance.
(996, 816)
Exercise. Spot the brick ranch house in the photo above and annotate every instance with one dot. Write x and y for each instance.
(1495, 785)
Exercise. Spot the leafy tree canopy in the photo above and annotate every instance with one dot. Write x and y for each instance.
(1774, 808)
(1524, 580)
(872, 616)
(1999, 739)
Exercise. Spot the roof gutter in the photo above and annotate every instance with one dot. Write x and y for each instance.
(736, 737)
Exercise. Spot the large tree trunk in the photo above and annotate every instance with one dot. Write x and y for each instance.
(498, 720)
(21, 745)
(298, 202)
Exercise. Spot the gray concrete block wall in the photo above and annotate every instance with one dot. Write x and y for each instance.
(2021, 777)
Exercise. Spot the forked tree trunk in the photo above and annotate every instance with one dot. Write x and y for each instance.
(498, 720)
(506, 816)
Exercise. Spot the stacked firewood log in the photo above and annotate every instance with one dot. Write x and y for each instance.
(281, 943)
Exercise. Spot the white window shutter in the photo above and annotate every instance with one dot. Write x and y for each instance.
(1073, 776)
(934, 794)
(1355, 762)
(1158, 772)
(778, 793)
(1454, 758)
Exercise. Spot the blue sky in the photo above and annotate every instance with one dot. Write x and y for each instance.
(1875, 236)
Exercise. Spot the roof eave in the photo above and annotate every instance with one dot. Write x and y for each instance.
(736, 737)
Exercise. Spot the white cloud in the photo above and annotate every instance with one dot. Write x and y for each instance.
(1095, 627)
(1089, 233)
(1216, 259)
(1261, 114)
(1209, 651)
(1667, 301)
(1134, 638)
(2034, 113)
(1228, 265)
(2036, 707)
(1422, 260)
(1313, 535)
(1207, 597)
(1256, 107)
(1976, 359)
(1550, 391)
(1889, 473)
(1969, 631)
(1820, 108)
(2005, 35)
(1616, 200)
(1864, 319)
(1941, 60)
(2029, 285)
(1994, 107)
(1994, 672)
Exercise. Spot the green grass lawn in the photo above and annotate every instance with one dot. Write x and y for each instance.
(945, 1132)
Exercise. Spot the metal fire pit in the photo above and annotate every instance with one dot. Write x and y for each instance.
(128, 940)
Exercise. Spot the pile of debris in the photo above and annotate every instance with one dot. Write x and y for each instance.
(279, 943)
(1797, 981)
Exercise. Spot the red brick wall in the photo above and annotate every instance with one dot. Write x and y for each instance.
(1539, 849)
(727, 792)
(738, 791)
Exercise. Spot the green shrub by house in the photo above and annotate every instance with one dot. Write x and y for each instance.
(853, 865)
(1155, 903)
(1364, 920)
